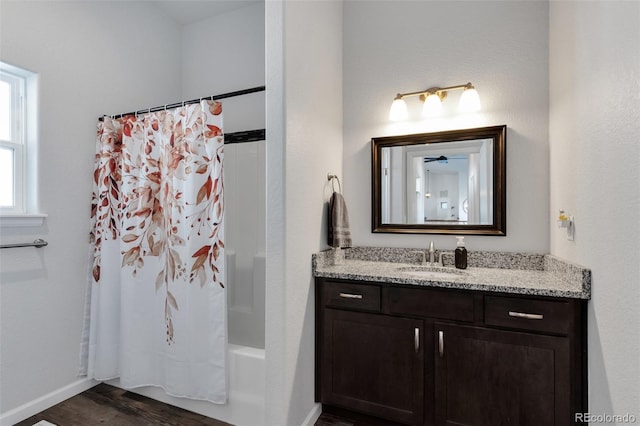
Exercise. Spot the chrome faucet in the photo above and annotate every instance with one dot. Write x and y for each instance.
(432, 253)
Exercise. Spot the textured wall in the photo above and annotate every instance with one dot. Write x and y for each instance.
(595, 176)
(233, 60)
(92, 58)
(404, 46)
(304, 143)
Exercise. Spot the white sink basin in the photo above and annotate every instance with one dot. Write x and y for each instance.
(433, 272)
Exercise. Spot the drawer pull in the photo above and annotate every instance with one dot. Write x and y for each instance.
(350, 296)
(441, 343)
(416, 339)
(526, 316)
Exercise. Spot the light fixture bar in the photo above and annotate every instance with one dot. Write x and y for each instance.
(435, 90)
(469, 102)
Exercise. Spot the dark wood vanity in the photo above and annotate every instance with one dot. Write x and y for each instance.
(436, 356)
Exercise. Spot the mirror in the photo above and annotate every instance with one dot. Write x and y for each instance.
(451, 182)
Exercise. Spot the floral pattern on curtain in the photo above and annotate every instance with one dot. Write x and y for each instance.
(157, 209)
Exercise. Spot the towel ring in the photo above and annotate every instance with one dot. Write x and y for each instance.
(330, 178)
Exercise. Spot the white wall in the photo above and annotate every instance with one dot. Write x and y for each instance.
(233, 60)
(404, 46)
(92, 58)
(304, 133)
(595, 176)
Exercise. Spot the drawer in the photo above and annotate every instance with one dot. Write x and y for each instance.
(440, 304)
(528, 314)
(361, 297)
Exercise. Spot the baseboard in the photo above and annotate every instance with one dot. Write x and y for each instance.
(29, 409)
(313, 415)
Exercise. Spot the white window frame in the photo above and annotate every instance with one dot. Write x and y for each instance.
(16, 143)
(23, 143)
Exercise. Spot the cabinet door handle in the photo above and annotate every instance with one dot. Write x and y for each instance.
(441, 343)
(350, 296)
(526, 316)
(416, 339)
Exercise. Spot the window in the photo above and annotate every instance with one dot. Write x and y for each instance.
(17, 145)
(12, 88)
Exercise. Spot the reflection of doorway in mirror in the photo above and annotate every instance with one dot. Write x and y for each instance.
(446, 194)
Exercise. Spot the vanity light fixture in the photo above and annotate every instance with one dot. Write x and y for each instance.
(432, 101)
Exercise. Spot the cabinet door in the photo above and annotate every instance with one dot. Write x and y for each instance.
(373, 364)
(487, 377)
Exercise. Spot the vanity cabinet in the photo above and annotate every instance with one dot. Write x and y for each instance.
(487, 377)
(371, 363)
(425, 356)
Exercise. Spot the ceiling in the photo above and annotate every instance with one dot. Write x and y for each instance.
(188, 11)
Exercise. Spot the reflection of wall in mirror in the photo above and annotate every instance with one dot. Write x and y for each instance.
(385, 185)
(486, 182)
(473, 189)
(392, 186)
(462, 195)
(416, 207)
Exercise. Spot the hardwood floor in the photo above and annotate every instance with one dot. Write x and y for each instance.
(339, 417)
(333, 420)
(111, 406)
(108, 405)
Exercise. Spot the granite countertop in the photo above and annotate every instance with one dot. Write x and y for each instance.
(515, 273)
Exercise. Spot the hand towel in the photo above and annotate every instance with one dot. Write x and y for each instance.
(339, 233)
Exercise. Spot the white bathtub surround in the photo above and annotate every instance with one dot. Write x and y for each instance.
(244, 176)
(157, 289)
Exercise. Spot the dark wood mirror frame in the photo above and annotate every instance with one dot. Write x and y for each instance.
(498, 227)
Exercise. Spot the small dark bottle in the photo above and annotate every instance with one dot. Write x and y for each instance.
(461, 254)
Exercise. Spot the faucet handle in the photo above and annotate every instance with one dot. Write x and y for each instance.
(441, 260)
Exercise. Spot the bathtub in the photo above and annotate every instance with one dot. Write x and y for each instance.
(245, 200)
(246, 364)
(245, 406)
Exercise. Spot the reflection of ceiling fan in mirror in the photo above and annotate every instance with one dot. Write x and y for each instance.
(443, 159)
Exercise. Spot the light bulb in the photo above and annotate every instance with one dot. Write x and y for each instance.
(432, 106)
(398, 111)
(469, 101)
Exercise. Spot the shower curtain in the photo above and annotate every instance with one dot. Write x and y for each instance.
(156, 305)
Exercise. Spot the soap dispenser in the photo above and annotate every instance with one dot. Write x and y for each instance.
(461, 254)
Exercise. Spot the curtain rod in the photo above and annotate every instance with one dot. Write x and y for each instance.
(192, 101)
